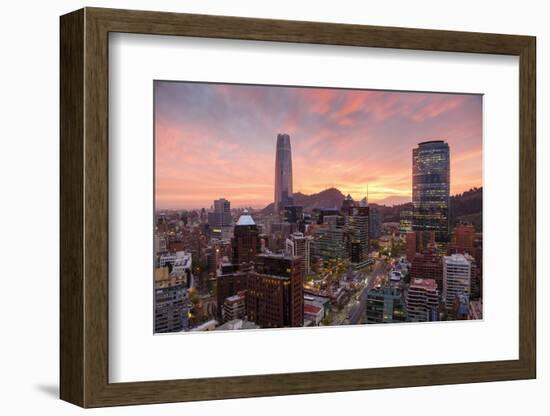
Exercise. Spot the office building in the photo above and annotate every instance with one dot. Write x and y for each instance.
(431, 186)
(221, 216)
(297, 244)
(329, 241)
(422, 301)
(273, 291)
(171, 302)
(375, 223)
(245, 243)
(357, 226)
(283, 173)
(385, 305)
(456, 278)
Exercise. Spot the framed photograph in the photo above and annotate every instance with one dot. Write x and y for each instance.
(255, 207)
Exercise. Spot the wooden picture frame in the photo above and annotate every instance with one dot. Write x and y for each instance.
(84, 207)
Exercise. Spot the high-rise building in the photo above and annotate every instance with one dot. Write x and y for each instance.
(357, 224)
(275, 294)
(329, 240)
(385, 305)
(422, 301)
(246, 240)
(431, 187)
(171, 302)
(273, 290)
(298, 244)
(375, 223)
(283, 173)
(456, 278)
(221, 217)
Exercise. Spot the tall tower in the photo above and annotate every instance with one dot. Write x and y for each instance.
(431, 186)
(246, 241)
(283, 173)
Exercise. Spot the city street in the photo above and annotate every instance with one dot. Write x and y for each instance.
(357, 311)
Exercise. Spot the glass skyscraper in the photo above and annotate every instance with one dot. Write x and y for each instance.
(283, 173)
(431, 186)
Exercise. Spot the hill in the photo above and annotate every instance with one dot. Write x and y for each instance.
(329, 198)
(466, 206)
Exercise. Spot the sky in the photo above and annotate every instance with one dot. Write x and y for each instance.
(218, 140)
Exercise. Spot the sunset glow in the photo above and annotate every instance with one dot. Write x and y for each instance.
(218, 140)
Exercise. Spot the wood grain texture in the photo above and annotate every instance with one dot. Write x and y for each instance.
(71, 213)
(84, 207)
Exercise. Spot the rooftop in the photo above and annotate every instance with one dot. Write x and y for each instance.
(424, 283)
(457, 259)
(308, 308)
(245, 219)
(431, 142)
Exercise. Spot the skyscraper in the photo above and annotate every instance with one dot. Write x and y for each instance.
(283, 173)
(246, 241)
(221, 217)
(357, 223)
(431, 185)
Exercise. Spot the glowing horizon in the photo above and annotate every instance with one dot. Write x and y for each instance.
(218, 140)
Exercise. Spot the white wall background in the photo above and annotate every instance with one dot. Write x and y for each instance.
(29, 158)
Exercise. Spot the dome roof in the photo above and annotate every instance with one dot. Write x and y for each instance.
(245, 219)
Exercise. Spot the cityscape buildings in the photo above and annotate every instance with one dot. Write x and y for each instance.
(298, 268)
(431, 187)
(228, 257)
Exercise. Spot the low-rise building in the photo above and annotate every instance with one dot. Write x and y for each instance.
(313, 313)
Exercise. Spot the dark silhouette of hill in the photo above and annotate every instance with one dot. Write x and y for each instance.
(329, 198)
